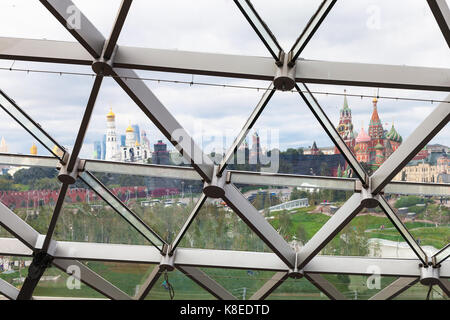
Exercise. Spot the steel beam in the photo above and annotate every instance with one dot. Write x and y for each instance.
(25, 160)
(118, 24)
(232, 66)
(207, 283)
(85, 122)
(432, 124)
(403, 230)
(364, 266)
(14, 247)
(149, 283)
(423, 189)
(71, 18)
(133, 219)
(227, 259)
(247, 127)
(17, 227)
(441, 13)
(260, 27)
(441, 255)
(270, 286)
(395, 288)
(107, 252)
(248, 213)
(325, 286)
(291, 180)
(163, 119)
(445, 286)
(187, 223)
(137, 169)
(330, 229)
(311, 28)
(8, 290)
(331, 131)
(56, 211)
(92, 279)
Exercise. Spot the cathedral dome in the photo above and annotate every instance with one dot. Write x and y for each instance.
(33, 150)
(130, 128)
(379, 146)
(110, 115)
(393, 135)
(362, 136)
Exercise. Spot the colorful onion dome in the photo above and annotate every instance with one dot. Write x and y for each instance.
(393, 135)
(362, 136)
(379, 146)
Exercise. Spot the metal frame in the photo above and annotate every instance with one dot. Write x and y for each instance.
(111, 60)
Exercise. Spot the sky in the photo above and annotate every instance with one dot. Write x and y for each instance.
(401, 32)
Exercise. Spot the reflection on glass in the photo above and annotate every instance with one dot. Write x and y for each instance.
(443, 254)
(122, 210)
(33, 128)
(261, 28)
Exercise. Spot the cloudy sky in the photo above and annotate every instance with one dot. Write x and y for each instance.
(401, 32)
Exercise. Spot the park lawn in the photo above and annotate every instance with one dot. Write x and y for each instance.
(432, 236)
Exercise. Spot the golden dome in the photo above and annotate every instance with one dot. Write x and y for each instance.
(137, 143)
(130, 128)
(110, 114)
(375, 100)
(33, 150)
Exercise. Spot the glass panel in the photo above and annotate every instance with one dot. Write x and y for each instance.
(356, 30)
(184, 289)
(296, 144)
(25, 121)
(122, 209)
(370, 234)
(31, 193)
(14, 269)
(163, 204)
(86, 217)
(419, 292)
(355, 287)
(240, 283)
(426, 218)
(55, 284)
(128, 277)
(230, 232)
(296, 213)
(297, 289)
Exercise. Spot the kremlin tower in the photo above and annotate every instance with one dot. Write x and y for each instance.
(345, 126)
(112, 149)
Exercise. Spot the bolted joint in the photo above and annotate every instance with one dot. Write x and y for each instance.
(214, 189)
(285, 76)
(166, 263)
(70, 177)
(296, 274)
(41, 261)
(368, 199)
(429, 276)
(104, 67)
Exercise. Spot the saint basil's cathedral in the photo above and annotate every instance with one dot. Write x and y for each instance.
(372, 147)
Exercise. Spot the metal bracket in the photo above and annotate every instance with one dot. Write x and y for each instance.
(285, 76)
(167, 259)
(70, 177)
(104, 67)
(429, 275)
(41, 261)
(214, 189)
(295, 273)
(368, 199)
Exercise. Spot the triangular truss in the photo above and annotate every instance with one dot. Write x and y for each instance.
(287, 72)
